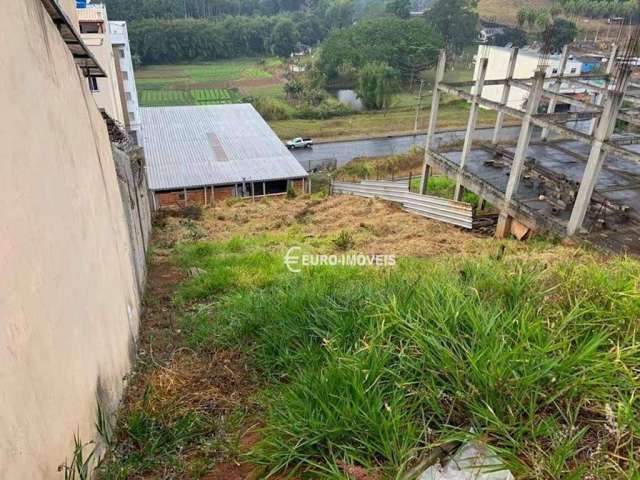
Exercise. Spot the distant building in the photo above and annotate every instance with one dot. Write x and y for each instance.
(526, 66)
(94, 31)
(202, 154)
(120, 42)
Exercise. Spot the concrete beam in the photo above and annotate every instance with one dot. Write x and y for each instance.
(600, 97)
(511, 68)
(433, 119)
(471, 126)
(520, 155)
(540, 122)
(553, 95)
(597, 156)
(553, 102)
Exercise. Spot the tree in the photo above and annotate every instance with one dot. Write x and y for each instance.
(340, 14)
(284, 37)
(457, 22)
(515, 37)
(562, 32)
(409, 46)
(399, 8)
(377, 83)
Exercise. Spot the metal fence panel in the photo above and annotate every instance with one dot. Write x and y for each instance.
(436, 208)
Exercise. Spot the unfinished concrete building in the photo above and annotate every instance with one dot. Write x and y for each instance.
(568, 173)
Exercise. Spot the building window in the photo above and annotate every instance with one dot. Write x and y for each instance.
(128, 95)
(132, 117)
(574, 70)
(93, 84)
(125, 75)
(121, 52)
(91, 27)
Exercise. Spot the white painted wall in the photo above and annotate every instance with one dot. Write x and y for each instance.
(69, 305)
(525, 68)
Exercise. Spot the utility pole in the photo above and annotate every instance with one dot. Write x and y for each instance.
(418, 107)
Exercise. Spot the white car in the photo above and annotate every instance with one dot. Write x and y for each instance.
(299, 142)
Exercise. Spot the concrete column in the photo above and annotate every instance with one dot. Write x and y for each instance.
(433, 120)
(596, 158)
(600, 96)
(556, 88)
(506, 91)
(504, 221)
(471, 127)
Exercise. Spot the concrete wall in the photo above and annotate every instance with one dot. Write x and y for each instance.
(135, 197)
(69, 306)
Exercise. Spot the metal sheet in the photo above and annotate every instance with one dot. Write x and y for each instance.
(436, 208)
(179, 151)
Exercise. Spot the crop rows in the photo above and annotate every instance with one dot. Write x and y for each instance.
(166, 98)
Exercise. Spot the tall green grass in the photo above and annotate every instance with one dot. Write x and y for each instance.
(376, 367)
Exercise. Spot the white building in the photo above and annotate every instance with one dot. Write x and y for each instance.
(120, 42)
(526, 66)
(95, 33)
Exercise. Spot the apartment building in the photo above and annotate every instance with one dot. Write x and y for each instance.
(95, 32)
(120, 41)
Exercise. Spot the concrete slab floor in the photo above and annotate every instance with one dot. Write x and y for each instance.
(618, 182)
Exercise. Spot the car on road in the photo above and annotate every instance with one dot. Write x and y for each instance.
(299, 142)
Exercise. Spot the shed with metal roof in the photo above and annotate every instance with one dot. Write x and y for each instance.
(204, 153)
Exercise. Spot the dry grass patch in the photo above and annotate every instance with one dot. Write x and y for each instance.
(376, 226)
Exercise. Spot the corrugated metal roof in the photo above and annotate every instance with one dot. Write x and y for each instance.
(212, 145)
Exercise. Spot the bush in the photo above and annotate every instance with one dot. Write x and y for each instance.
(271, 108)
(329, 107)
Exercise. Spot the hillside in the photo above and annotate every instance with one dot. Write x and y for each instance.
(506, 11)
(248, 370)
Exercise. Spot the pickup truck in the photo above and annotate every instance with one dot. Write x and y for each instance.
(299, 143)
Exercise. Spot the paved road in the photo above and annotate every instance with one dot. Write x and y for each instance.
(345, 151)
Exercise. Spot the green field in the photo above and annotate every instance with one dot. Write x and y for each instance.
(207, 83)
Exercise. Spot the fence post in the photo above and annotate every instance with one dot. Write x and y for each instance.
(410, 178)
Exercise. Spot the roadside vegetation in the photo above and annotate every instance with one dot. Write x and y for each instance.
(248, 370)
(402, 166)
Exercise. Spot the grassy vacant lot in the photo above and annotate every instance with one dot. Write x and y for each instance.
(247, 370)
(206, 83)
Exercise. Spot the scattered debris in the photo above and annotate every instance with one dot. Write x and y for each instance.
(472, 461)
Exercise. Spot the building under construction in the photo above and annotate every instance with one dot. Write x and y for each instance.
(569, 171)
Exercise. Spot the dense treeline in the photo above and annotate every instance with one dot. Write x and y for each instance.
(602, 8)
(187, 30)
(142, 9)
(180, 40)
